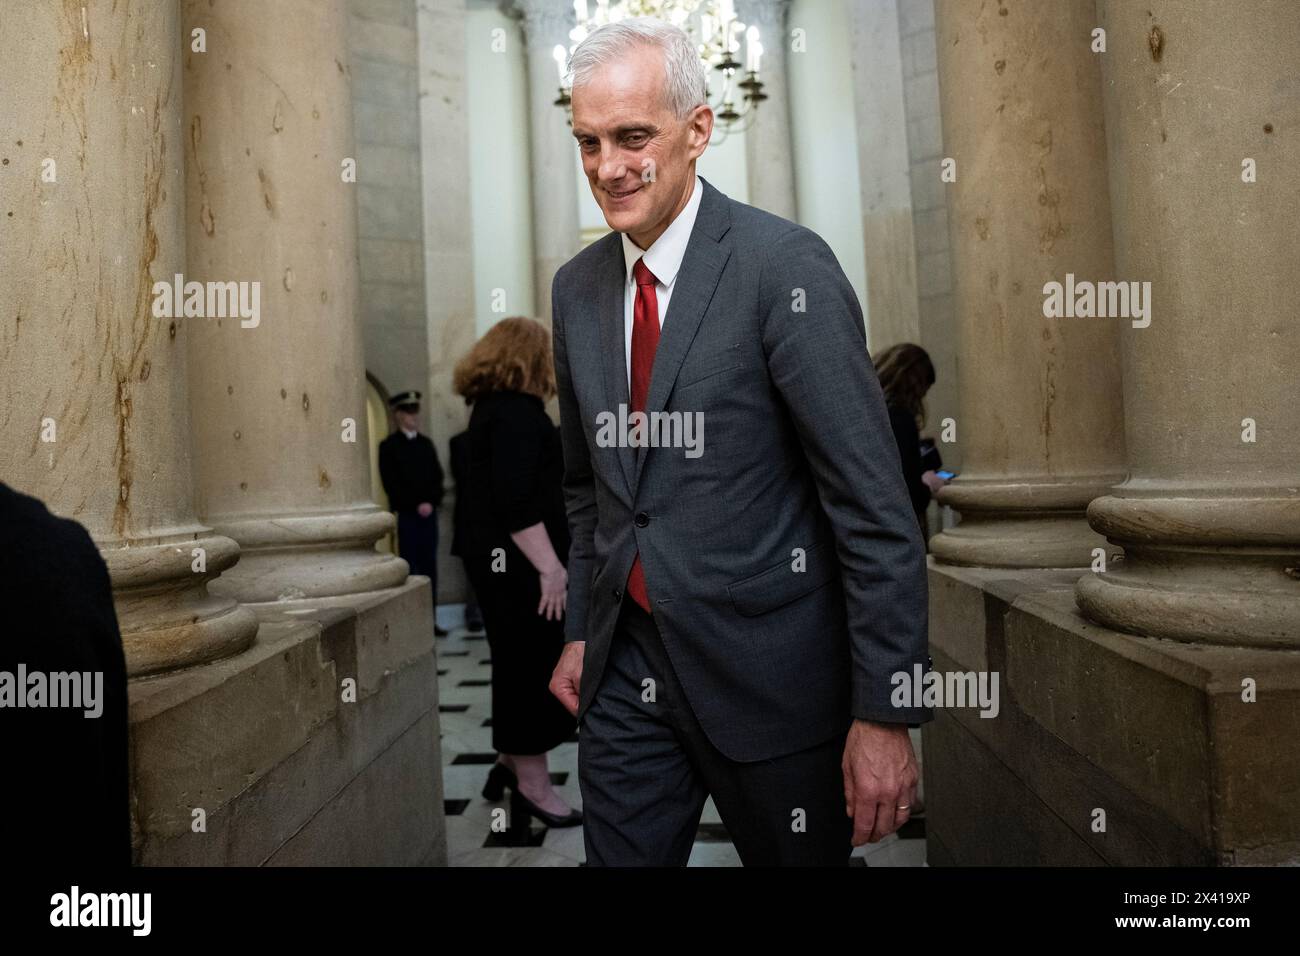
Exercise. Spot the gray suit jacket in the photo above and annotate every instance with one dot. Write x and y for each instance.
(784, 565)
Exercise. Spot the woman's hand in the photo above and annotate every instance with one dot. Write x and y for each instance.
(933, 481)
(535, 543)
(555, 584)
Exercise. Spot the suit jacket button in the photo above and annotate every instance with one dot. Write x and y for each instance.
(642, 519)
(618, 595)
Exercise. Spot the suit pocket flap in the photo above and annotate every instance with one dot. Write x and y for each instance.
(782, 584)
(698, 368)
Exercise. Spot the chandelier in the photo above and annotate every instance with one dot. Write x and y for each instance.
(715, 31)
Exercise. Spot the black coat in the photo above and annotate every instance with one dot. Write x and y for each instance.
(512, 474)
(515, 470)
(65, 796)
(458, 453)
(908, 439)
(410, 471)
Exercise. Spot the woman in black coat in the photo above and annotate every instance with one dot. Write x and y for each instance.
(906, 374)
(515, 542)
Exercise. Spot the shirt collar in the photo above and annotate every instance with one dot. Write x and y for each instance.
(664, 257)
(410, 434)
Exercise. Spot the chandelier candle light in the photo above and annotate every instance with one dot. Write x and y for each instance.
(711, 25)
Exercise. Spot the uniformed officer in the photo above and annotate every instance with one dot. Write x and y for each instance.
(412, 477)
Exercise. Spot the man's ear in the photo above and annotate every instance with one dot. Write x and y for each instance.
(701, 123)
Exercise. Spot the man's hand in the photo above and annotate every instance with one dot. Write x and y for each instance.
(879, 779)
(566, 681)
(425, 509)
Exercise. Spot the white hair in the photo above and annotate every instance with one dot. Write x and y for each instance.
(685, 78)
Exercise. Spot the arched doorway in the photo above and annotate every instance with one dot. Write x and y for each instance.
(378, 427)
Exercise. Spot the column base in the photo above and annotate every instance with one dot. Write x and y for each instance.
(1154, 734)
(1204, 569)
(327, 752)
(1019, 524)
(296, 557)
(168, 613)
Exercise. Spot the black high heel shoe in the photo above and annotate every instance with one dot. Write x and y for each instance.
(522, 810)
(499, 777)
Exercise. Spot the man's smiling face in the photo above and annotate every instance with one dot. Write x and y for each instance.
(638, 156)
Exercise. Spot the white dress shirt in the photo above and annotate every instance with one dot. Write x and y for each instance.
(664, 260)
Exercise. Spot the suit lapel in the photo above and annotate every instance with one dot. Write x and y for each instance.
(706, 256)
(609, 304)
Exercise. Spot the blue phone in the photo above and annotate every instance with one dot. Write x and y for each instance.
(946, 475)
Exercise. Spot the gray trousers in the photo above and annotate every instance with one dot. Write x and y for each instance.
(645, 769)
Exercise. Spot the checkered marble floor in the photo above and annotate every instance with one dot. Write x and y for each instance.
(464, 696)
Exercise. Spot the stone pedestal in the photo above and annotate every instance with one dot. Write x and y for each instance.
(318, 746)
(279, 408)
(1210, 516)
(1041, 423)
(95, 418)
(1153, 734)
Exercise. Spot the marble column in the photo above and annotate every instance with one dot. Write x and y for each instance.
(769, 153)
(1199, 98)
(448, 252)
(888, 236)
(1041, 428)
(95, 420)
(279, 406)
(556, 235)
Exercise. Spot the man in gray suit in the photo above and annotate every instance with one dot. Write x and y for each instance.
(738, 606)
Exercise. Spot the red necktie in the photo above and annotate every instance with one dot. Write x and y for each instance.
(645, 338)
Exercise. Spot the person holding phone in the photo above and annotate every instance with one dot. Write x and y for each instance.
(906, 374)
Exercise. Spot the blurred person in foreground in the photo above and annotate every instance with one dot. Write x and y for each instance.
(64, 801)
